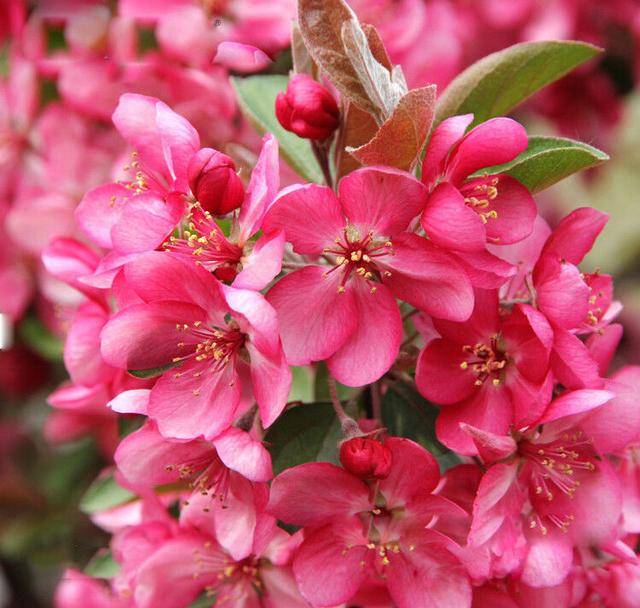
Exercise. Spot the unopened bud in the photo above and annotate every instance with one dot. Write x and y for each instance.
(307, 109)
(214, 181)
(366, 458)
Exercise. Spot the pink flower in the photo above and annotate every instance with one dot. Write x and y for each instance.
(236, 258)
(215, 340)
(307, 108)
(464, 213)
(346, 312)
(491, 372)
(356, 532)
(77, 589)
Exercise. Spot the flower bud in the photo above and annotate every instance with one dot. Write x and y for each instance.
(214, 182)
(366, 458)
(307, 108)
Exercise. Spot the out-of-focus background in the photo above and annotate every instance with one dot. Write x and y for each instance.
(63, 65)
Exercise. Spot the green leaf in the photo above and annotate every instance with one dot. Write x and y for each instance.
(37, 337)
(405, 413)
(102, 565)
(548, 160)
(104, 493)
(302, 385)
(153, 371)
(499, 82)
(305, 433)
(203, 601)
(257, 99)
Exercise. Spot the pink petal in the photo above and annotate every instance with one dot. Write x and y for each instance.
(241, 453)
(263, 264)
(261, 191)
(575, 402)
(428, 278)
(144, 336)
(490, 447)
(327, 566)
(439, 376)
(315, 320)
(309, 215)
(145, 222)
(99, 210)
(486, 271)
(186, 406)
(315, 493)
(548, 561)
(444, 137)
(373, 346)
(493, 142)
(528, 398)
(450, 223)
(571, 362)
(381, 199)
(241, 57)
(489, 409)
(575, 234)
(602, 345)
(480, 326)
(414, 471)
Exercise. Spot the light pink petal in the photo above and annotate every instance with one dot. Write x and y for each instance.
(179, 141)
(186, 405)
(261, 191)
(144, 336)
(373, 346)
(489, 409)
(493, 142)
(450, 223)
(327, 566)
(242, 58)
(78, 589)
(428, 278)
(381, 199)
(315, 493)
(145, 222)
(315, 320)
(280, 588)
(147, 459)
(572, 363)
(99, 210)
(263, 264)
(241, 453)
(516, 209)
(134, 401)
(602, 345)
(444, 137)
(549, 559)
(575, 402)
(439, 376)
(414, 471)
(575, 234)
(309, 215)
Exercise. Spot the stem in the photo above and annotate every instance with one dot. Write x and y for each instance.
(376, 404)
(349, 426)
(320, 152)
(409, 315)
(410, 339)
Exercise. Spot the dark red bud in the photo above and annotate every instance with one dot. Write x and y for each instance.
(214, 181)
(307, 109)
(366, 458)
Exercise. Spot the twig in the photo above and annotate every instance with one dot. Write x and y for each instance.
(349, 426)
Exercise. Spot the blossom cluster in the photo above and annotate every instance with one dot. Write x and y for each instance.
(198, 276)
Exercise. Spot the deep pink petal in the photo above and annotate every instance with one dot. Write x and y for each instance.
(309, 215)
(575, 402)
(315, 493)
(602, 345)
(439, 376)
(480, 326)
(450, 223)
(428, 278)
(575, 234)
(444, 137)
(493, 142)
(490, 447)
(529, 399)
(486, 271)
(241, 453)
(572, 363)
(373, 346)
(381, 199)
(489, 409)
(315, 320)
(186, 405)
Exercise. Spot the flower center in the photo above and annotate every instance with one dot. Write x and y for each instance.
(354, 255)
(478, 195)
(486, 361)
